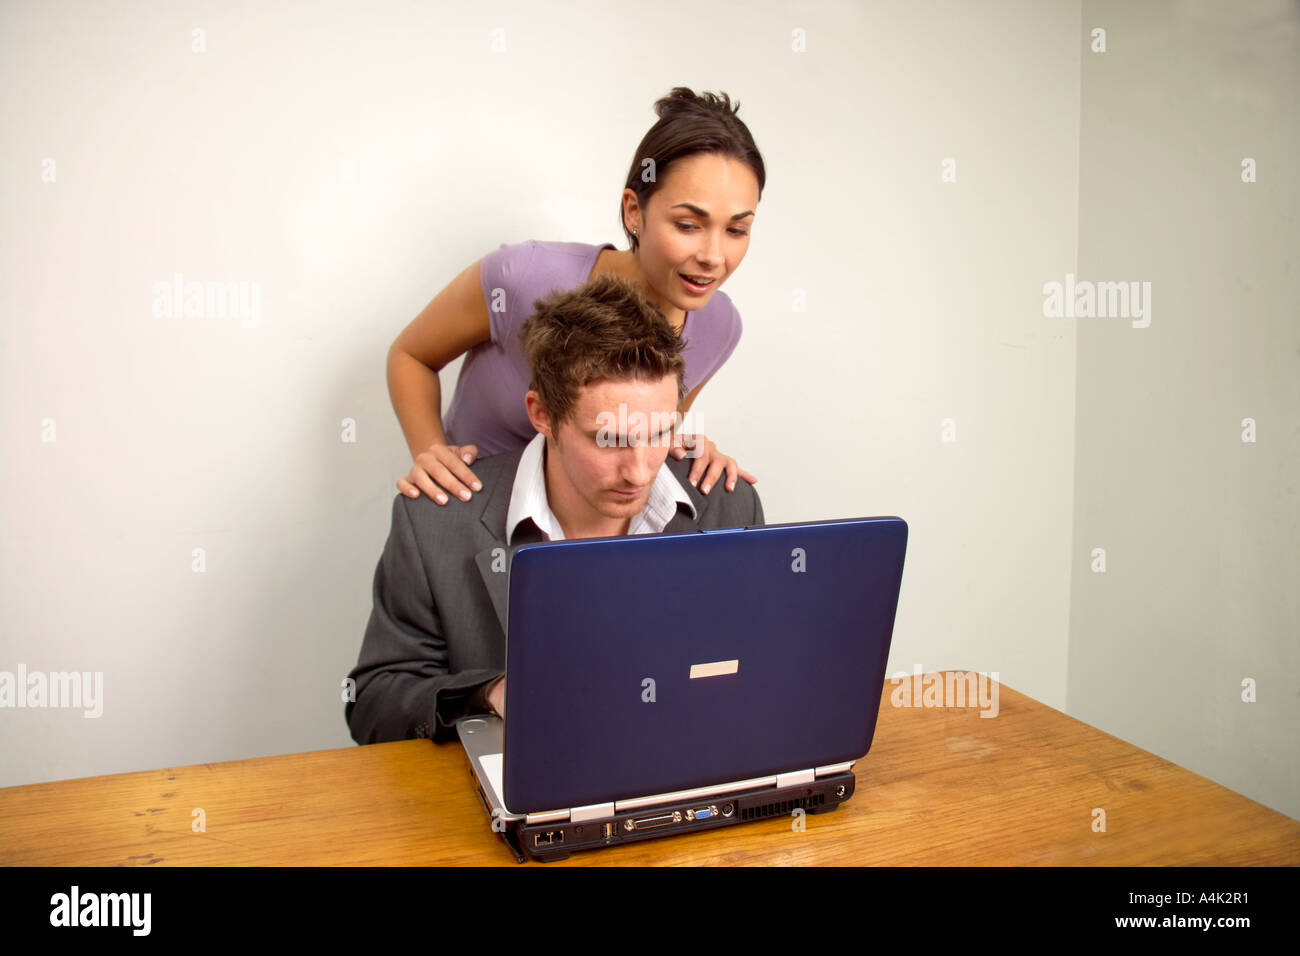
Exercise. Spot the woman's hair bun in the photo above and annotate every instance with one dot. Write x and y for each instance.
(684, 98)
(688, 124)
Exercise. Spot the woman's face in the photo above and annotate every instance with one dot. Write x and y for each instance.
(696, 225)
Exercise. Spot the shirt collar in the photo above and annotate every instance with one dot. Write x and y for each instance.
(528, 498)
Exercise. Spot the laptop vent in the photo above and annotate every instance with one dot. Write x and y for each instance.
(782, 808)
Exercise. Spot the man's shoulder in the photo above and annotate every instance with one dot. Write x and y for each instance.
(493, 467)
(494, 471)
(725, 508)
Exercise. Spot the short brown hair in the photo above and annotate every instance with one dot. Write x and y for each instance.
(605, 329)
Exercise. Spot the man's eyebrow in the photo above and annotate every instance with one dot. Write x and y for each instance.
(595, 432)
(704, 215)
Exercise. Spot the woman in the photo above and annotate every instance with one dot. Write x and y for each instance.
(687, 209)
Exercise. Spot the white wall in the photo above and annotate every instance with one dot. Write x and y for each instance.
(351, 159)
(1199, 527)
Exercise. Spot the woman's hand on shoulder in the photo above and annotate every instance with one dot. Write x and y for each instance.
(440, 470)
(709, 462)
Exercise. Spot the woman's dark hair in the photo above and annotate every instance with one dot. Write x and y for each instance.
(689, 124)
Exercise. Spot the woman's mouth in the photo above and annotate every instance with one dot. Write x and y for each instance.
(698, 284)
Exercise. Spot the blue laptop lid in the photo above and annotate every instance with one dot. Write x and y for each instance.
(605, 633)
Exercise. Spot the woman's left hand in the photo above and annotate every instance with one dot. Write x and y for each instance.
(709, 462)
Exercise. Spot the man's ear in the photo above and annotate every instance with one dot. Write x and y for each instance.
(537, 413)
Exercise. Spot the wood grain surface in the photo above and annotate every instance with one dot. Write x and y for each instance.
(939, 787)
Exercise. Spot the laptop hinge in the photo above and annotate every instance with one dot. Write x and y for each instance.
(548, 816)
(696, 793)
(835, 768)
(592, 811)
(794, 777)
(596, 811)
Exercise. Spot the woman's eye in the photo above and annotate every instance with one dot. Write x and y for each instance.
(685, 226)
(739, 232)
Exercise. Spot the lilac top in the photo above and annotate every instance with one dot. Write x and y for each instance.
(487, 408)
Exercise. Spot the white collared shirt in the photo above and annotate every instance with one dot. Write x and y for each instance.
(528, 498)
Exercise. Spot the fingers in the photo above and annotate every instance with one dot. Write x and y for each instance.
(732, 470)
(457, 479)
(443, 466)
(454, 459)
(695, 447)
(424, 483)
(497, 697)
(421, 480)
(697, 472)
(716, 468)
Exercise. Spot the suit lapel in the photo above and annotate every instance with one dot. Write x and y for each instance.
(682, 520)
(493, 560)
(495, 581)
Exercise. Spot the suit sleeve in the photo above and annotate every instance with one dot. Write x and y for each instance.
(403, 686)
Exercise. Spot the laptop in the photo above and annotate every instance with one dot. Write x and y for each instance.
(663, 684)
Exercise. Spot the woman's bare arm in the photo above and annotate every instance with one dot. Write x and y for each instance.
(450, 325)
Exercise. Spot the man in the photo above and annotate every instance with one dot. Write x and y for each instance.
(602, 358)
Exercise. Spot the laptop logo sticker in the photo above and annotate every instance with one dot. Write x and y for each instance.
(714, 669)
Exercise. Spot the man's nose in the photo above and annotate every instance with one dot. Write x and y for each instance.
(641, 463)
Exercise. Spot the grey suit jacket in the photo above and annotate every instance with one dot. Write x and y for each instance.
(437, 628)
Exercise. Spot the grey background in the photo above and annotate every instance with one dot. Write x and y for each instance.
(351, 159)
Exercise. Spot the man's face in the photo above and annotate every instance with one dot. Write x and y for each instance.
(610, 450)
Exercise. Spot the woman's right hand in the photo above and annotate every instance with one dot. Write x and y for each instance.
(439, 470)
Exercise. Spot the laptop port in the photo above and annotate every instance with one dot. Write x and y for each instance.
(546, 839)
(651, 823)
(728, 809)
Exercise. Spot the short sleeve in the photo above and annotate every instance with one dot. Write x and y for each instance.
(500, 273)
(729, 341)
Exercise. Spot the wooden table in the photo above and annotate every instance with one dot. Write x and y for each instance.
(940, 787)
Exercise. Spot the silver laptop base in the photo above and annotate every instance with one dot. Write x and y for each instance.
(550, 841)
